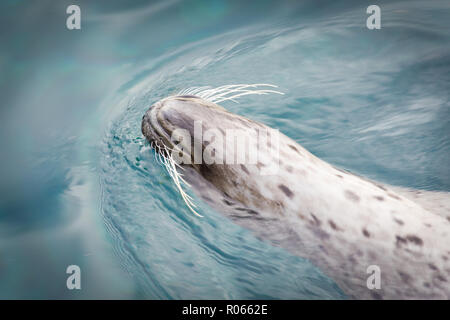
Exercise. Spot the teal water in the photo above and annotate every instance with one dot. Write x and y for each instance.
(79, 185)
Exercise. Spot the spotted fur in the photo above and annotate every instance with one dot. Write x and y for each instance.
(341, 222)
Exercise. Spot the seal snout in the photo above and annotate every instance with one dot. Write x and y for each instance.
(178, 114)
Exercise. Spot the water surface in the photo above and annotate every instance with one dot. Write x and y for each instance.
(79, 185)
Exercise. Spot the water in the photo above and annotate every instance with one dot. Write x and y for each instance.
(79, 185)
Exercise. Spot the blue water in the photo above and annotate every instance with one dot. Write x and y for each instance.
(79, 185)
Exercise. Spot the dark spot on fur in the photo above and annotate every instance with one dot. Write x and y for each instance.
(351, 196)
(376, 295)
(380, 186)
(352, 259)
(379, 198)
(338, 175)
(366, 233)
(279, 205)
(316, 221)
(405, 277)
(341, 170)
(293, 148)
(427, 225)
(441, 278)
(289, 169)
(448, 218)
(188, 96)
(400, 240)
(244, 169)
(247, 210)
(244, 122)
(414, 239)
(426, 284)
(409, 238)
(321, 247)
(228, 203)
(400, 222)
(286, 190)
(333, 225)
(320, 233)
(432, 266)
(260, 164)
(393, 196)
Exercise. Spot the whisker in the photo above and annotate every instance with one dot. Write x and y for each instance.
(229, 92)
(166, 159)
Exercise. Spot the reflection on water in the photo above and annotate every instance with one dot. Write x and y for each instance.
(79, 185)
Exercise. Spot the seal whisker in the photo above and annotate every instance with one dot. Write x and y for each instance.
(247, 92)
(223, 93)
(208, 93)
(165, 158)
(224, 90)
(192, 90)
(176, 178)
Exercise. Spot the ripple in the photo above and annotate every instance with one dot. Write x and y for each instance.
(341, 90)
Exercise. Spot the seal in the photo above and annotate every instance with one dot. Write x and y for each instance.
(343, 223)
